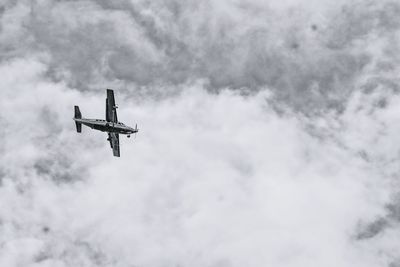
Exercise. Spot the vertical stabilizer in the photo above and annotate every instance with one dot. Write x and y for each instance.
(78, 126)
(78, 115)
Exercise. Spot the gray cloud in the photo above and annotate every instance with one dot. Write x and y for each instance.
(293, 51)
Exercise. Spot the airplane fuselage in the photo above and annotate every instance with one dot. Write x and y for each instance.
(106, 126)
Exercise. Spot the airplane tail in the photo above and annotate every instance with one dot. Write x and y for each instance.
(78, 115)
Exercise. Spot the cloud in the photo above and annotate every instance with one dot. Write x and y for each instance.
(295, 49)
(267, 133)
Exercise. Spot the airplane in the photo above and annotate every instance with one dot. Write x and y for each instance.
(111, 125)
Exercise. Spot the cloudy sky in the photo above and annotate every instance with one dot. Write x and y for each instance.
(269, 133)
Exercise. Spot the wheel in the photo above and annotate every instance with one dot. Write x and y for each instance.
(129, 136)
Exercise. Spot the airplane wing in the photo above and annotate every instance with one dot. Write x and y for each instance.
(114, 142)
(111, 108)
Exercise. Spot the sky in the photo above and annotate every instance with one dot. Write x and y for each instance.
(269, 133)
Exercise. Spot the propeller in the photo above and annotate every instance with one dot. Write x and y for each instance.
(136, 130)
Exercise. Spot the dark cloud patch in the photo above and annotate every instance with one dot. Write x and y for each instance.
(127, 65)
(314, 27)
(394, 210)
(372, 229)
(392, 218)
(76, 55)
(176, 42)
(355, 21)
(388, 15)
(94, 255)
(74, 252)
(375, 84)
(138, 46)
(59, 169)
(2, 176)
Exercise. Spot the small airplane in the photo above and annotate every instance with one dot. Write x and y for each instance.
(111, 125)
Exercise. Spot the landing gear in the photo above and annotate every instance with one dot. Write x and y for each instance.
(129, 136)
